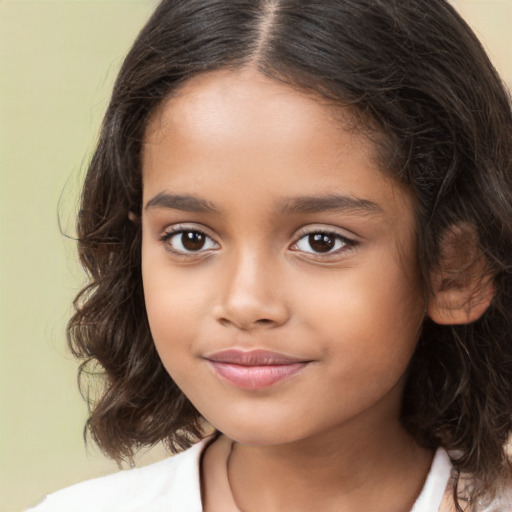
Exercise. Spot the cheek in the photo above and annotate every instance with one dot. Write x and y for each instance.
(371, 319)
(173, 304)
(174, 324)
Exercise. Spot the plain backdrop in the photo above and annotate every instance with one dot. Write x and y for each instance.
(58, 59)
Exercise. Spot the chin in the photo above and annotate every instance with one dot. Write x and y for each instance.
(262, 434)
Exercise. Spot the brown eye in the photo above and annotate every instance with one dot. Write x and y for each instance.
(193, 240)
(321, 242)
(188, 241)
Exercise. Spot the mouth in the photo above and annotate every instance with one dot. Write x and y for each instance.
(255, 369)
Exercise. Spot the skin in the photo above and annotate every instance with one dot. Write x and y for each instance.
(248, 147)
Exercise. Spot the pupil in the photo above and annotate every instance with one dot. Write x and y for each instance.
(321, 242)
(192, 240)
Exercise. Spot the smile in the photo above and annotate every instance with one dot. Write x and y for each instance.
(255, 369)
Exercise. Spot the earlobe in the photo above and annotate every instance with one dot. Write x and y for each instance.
(462, 285)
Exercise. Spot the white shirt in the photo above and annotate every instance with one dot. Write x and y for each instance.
(173, 485)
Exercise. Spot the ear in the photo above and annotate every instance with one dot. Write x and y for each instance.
(462, 284)
(133, 217)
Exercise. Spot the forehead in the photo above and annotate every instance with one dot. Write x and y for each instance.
(226, 103)
(231, 133)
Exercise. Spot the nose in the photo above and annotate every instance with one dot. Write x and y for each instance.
(251, 297)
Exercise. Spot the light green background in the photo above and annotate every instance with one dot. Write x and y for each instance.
(57, 62)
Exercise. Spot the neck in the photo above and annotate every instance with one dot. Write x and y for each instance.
(349, 468)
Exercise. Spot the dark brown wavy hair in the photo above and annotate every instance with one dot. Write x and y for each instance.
(442, 123)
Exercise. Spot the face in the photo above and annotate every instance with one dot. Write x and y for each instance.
(278, 261)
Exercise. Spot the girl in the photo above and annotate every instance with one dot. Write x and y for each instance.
(298, 230)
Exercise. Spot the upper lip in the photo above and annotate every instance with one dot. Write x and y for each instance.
(253, 358)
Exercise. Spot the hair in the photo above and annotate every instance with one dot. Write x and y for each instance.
(442, 124)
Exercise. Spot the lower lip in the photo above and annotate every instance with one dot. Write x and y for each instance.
(255, 377)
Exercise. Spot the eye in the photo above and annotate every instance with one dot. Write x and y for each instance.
(322, 242)
(188, 241)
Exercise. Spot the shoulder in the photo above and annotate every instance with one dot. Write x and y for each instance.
(502, 502)
(172, 485)
(433, 493)
(437, 493)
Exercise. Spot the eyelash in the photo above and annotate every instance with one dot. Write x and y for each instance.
(181, 230)
(346, 243)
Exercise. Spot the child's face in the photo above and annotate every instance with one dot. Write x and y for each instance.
(268, 226)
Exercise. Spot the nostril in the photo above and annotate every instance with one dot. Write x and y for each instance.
(250, 312)
(263, 321)
(224, 322)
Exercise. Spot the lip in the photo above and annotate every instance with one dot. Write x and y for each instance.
(255, 369)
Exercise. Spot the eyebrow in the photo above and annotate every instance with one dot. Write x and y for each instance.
(301, 204)
(331, 202)
(185, 203)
